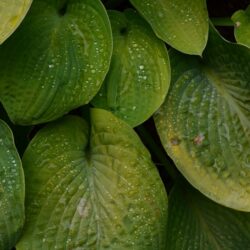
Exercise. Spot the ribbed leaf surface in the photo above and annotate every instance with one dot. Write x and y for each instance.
(11, 190)
(92, 187)
(197, 223)
(56, 61)
(204, 124)
(139, 77)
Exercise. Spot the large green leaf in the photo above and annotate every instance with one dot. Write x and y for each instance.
(139, 76)
(197, 223)
(241, 20)
(56, 61)
(11, 190)
(181, 23)
(204, 123)
(12, 13)
(92, 187)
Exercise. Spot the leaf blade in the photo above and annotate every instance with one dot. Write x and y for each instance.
(12, 14)
(241, 21)
(139, 76)
(204, 123)
(182, 24)
(56, 61)
(196, 222)
(83, 187)
(11, 190)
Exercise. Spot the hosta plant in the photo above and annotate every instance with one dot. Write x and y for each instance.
(124, 125)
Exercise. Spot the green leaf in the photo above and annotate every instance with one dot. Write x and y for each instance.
(56, 61)
(92, 187)
(196, 222)
(11, 190)
(183, 24)
(204, 123)
(139, 76)
(20, 133)
(12, 13)
(241, 20)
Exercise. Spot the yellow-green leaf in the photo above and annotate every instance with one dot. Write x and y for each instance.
(92, 186)
(183, 24)
(12, 13)
(204, 123)
(241, 21)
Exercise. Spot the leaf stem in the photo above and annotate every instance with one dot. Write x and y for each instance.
(222, 21)
(158, 152)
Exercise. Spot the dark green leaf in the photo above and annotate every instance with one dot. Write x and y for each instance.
(56, 61)
(197, 223)
(11, 190)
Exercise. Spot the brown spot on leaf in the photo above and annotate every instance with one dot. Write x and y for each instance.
(175, 141)
(199, 139)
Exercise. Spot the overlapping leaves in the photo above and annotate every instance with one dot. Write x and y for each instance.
(90, 182)
(195, 222)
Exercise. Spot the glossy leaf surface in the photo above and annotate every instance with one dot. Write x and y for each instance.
(241, 20)
(56, 61)
(92, 187)
(139, 77)
(11, 190)
(204, 124)
(12, 13)
(183, 24)
(197, 223)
